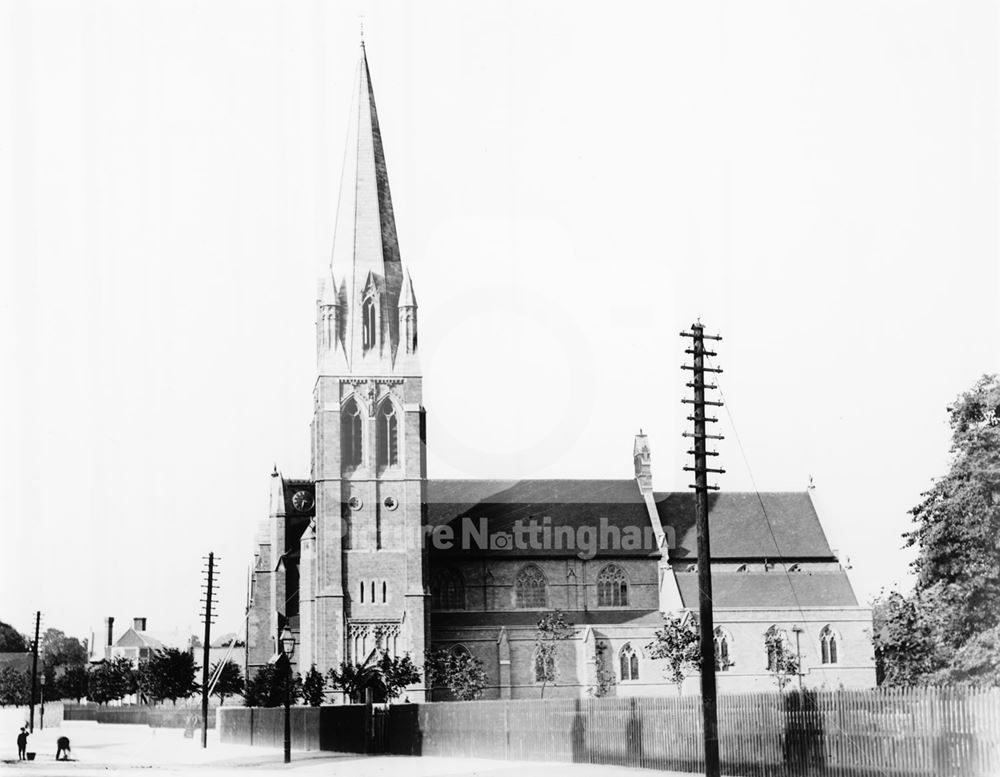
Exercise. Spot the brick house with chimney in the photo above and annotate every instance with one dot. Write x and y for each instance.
(369, 554)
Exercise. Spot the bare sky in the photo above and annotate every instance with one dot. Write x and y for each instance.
(573, 183)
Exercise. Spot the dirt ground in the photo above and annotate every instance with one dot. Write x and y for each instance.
(99, 748)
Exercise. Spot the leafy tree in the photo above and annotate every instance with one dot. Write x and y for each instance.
(49, 689)
(353, 679)
(267, 688)
(605, 673)
(313, 687)
(72, 684)
(168, 674)
(551, 629)
(460, 672)
(782, 662)
(12, 641)
(57, 649)
(942, 631)
(230, 682)
(397, 673)
(111, 680)
(15, 687)
(677, 642)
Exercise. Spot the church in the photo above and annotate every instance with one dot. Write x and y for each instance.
(370, 554)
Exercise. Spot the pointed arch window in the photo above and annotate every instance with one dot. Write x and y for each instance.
(828, 645)
(530, 590)
(350, 434)
(387, 425)
(612, 587)
(368, 323)
(447, 590)
(628, 663)
(723, 646)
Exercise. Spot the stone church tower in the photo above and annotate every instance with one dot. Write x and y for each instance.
(362, 562)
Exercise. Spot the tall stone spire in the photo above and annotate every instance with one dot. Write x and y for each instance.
(365, 266)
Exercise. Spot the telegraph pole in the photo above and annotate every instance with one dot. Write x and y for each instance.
(210, 572)
(700, 451)
(34, 674)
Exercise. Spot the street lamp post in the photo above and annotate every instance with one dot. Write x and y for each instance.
(286, 648)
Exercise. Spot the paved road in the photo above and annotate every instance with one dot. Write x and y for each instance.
(98, 748)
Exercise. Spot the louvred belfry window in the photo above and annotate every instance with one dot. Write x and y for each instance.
(350, 431)
(388, 436)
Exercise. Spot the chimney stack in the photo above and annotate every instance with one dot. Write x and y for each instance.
(139, 624)
(111, 626)
(643, 463)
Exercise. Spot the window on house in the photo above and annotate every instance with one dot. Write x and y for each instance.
(722, 646)
(388, 435)
(350, 434)
(368, 324)
(447, 590)
(628, 663)
(612, 587)
(828, 645)
(530, 588)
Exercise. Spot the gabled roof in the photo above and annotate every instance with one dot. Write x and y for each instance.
(785, 527)
(745, 525)
(567, 503)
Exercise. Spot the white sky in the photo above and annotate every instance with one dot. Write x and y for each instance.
(573, 182)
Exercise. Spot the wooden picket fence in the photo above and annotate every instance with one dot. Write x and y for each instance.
(927, 732)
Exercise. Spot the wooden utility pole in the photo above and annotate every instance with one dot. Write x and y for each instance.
(34, 675)
(700, 451)
(210, 571)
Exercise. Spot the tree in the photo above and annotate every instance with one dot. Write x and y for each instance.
(229, 682)
(269, 687)
(551, 629)
(12, 641)
(677, 642)
(111, 680)
(604, 679)
(313, 687)
(72, 684)
(782, 662)
(57, 649)
(353, 679)
(458, 671)
(397, 673)
(15, 687)
(942, 631)
(168, 674)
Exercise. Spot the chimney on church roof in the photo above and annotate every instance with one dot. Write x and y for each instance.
(643, 463)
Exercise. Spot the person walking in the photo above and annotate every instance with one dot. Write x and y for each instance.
(22, 744)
